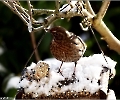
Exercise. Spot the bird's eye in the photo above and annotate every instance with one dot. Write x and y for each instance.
(58, 36)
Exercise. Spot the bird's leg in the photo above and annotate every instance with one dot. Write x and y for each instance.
(59, 71)
(73, 75)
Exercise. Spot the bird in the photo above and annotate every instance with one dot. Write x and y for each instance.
(66, 46)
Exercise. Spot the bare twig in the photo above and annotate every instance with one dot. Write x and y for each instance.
(32, 33)
(42, 11)
(17, 9)
(99, 25)
(53, 17)
(88, 5)
(57, 6)
(30, 8)
(103, 9)
(30, 16)
(20, 15)
(46, 22)
(112, 41)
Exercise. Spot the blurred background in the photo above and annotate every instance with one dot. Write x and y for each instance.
(16, 46)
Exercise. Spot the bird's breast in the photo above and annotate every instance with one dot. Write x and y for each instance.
(66, 51)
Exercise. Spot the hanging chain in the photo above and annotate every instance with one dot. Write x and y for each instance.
(35, 49)
(87, 25)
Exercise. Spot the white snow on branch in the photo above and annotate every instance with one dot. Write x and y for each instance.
(30, 26)
(68, 7)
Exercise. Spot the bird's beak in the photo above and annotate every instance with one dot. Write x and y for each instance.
(47, 29)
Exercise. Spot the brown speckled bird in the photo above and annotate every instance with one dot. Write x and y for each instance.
(66, 46)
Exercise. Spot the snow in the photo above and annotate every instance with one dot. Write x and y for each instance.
(88, 73)
(13, 83)
(29, 25)
(68, 7)
(111, 95)
(65, 8)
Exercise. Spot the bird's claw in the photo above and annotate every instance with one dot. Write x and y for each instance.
(59, 71)
(73, 75)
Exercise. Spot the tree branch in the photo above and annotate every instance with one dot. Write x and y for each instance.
(88, 5)
(57, 6)
(18, 10)
(42, 11)
(107, 35)
(103, 9)
(112, 41)
(32, 33)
